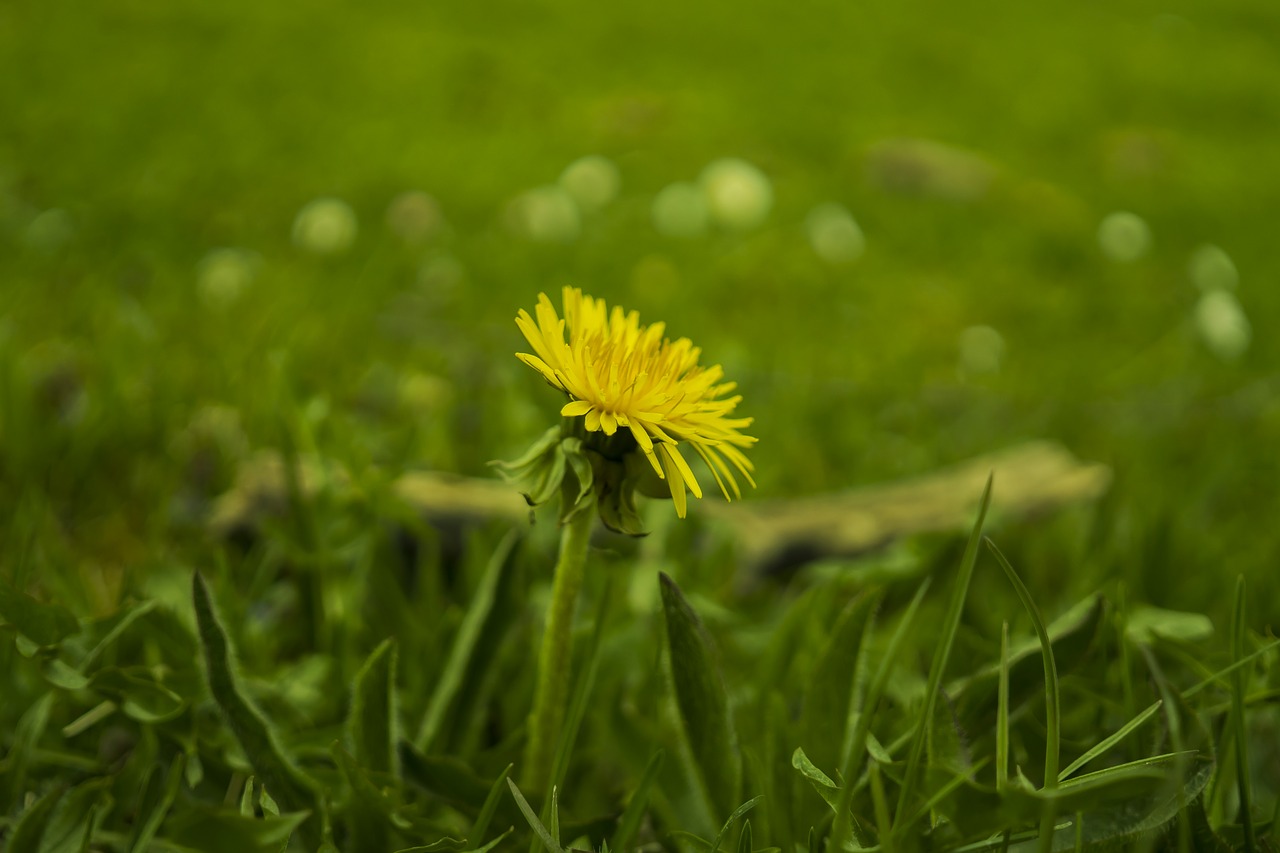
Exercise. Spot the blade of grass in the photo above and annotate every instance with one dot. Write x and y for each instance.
(582, 691)
(629, 823)
(30, 828)
(884, 826)
(702, 701)
(946, 638)
(552, 844)
(1174, 722)
(553, 809)
(288, 784)
(1052, 701)
(733, 818)
(464, 644)
(374, 716)
(1002, 713)
(1110, 741)
(851, 765)
(1150, 711)
(1237, 718)
(490, 807)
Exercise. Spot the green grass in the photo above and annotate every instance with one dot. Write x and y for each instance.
(354, 677)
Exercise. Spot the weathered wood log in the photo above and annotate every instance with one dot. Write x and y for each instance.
(1030, 479)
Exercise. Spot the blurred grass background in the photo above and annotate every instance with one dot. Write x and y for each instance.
(139, 137)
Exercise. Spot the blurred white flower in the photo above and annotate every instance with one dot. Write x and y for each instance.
(981, 350)
(414, 216)
(1124, 236)
(1222, 324)
(593, 181)
(834, 234)
(1211, 268)
(425, 393)
(325, 226)
(680, 210)
(223, 274)
(546, 214)
(739, 196)
(440, 274)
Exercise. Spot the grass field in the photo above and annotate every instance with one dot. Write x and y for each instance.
(1064, 231)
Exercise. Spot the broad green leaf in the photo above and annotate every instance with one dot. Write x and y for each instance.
(822, 783)
(374, 716)
(222, 830)
(287, 784)
(138, 694)
(1147, 623)
(61, 674)
(830, 703)
(460, 656)
(43, 624)
(701, 698)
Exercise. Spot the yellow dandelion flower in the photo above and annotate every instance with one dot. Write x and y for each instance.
(624, 379)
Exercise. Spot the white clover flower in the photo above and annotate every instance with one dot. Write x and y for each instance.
(1124, 236)
(223, 275)
(50, 230)
(981, 350)
(1222, 324)
(425, 393)
(834, 234)
(414, 216)
(1211, 268)
(593, 181)
(546, 215)
(739, 196)
(441, 274)
(325, 226)
(680, 210)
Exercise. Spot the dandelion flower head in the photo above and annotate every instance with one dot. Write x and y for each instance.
(624, 378)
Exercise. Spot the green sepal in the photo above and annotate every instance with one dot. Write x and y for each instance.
(538, 473)
(575, 489)
(616, 485)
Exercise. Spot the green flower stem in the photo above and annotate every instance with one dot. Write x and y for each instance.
(554, 659)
